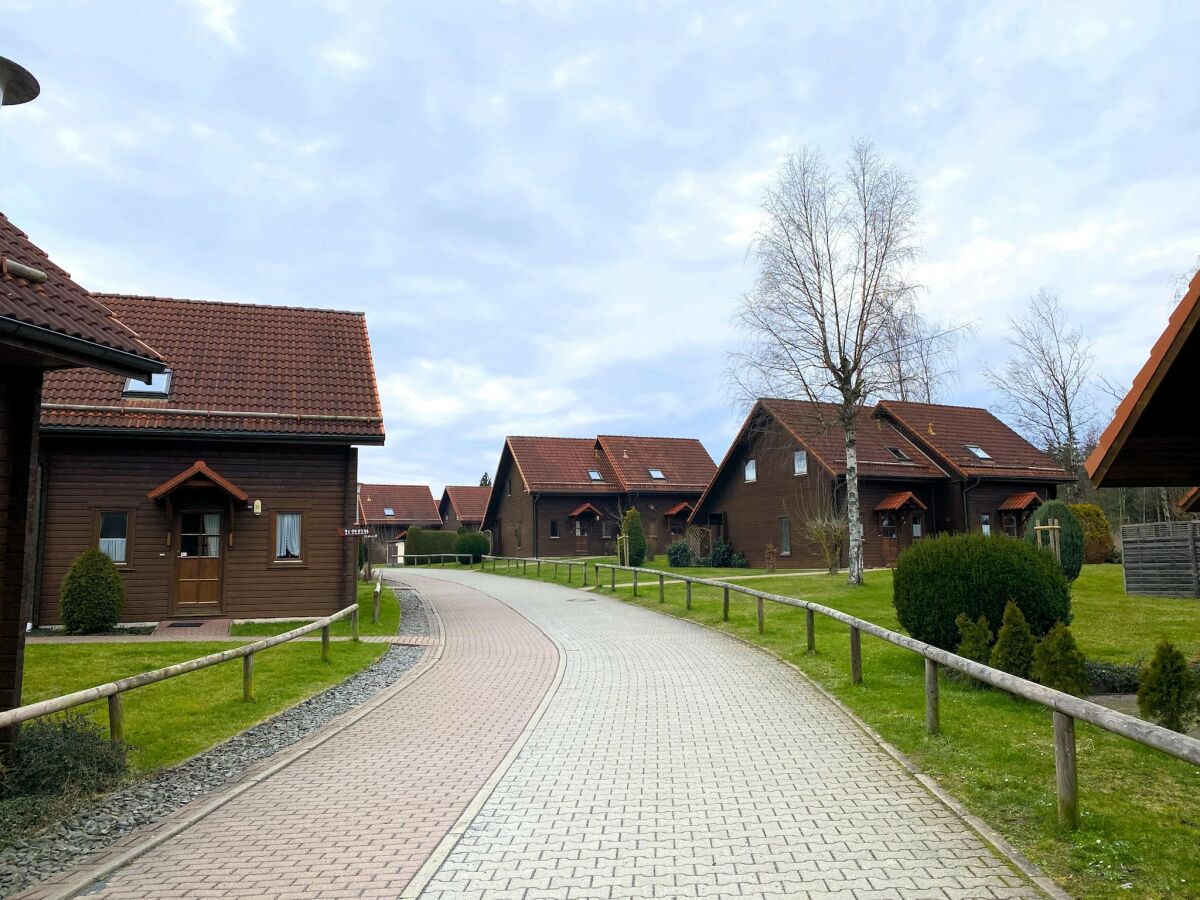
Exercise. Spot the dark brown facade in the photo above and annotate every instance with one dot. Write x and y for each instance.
(463, 506)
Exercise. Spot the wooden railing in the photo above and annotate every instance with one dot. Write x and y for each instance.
(1065, 707)
(114, 689)
(441, 557)
(522, 563)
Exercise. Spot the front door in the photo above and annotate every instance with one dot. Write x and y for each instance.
(198, 563)
(889, 535)
(581, 537)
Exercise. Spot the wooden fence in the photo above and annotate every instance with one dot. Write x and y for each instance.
(440, 557)
(522, 563)
(1066, 708)
(1161, 559)
(114, 689)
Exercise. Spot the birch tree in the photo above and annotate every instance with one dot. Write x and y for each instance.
(833, 259)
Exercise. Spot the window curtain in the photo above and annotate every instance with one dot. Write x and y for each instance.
(114, 548)
(287, 536)
(212, 535)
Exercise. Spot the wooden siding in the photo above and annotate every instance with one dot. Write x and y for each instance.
(514, 510)
(1162, 559)
(84, 476)
(987, 496)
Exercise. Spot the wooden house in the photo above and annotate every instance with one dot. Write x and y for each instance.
(390, 510)
(557, 496)
(47, 323)
(462, 506)
(922, 469)
(221, 487)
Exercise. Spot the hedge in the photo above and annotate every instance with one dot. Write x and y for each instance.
(1070, 535)
(1097, 532)
(938, 578)
(420, 541)
(474, 543)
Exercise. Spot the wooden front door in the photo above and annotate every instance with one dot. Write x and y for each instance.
(889, 536)
(199, 563)
(581, 536)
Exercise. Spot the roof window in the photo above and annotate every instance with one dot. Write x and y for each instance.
(594, 475)
(657, 474)
(899, 454)
(979, 452)
(388, 511)
(159, 385)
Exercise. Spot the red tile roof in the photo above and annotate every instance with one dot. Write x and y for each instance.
(947, 431)
(468, 501)
(199, 469)
(1019, 502)
(553, 464)
(58, 308)
(899, 500)
(581, 509)
(684, 463)
(235, 367)
(411, 504)
(679, 507)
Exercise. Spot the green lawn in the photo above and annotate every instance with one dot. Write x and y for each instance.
(1113, 626)
(168, 722)
(389, 618)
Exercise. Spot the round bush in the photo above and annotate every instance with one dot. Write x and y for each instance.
(1097, 533)
(1070, 534)
(938, 578)
(92, 594)
(679, 554)
(474, 543)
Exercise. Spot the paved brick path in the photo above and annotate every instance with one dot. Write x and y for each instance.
(675, 762)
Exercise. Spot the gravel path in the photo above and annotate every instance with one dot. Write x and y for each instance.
(69, 841)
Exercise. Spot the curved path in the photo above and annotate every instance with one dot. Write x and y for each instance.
(563, 744)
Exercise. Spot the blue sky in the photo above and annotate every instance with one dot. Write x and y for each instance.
(544, 207)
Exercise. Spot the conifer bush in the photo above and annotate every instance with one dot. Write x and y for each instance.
(938, 578)
(474, 543)
(92, 594)
(1013, 651)
(631, 527)
(679, 554)
(1168, 690)
(975, 638)
(1058, 663)
(1098, 543)
(1070, 535)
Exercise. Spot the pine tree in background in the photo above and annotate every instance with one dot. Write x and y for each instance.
(1169, 691)
(975, 638)
(631, 528)
(1013, 652)
(1058, 664)
(486, 480)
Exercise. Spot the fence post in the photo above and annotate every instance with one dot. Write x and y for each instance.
(761, 616)
(1064, 771)
(375, 602)
(556, 570)
(583, 567)
(933, 721)
(116, 719)
(687, 603)
(539, 568)
(661, 590)
(725, 606)
(635, 582)
(325, 643)
(811, 627)
(570, 571)
(248, 678)
(613, 573)
(855, 655)
(354, 625)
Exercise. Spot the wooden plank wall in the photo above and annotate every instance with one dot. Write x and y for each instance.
(1161, 559)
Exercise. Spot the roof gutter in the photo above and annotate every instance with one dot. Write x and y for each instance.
(213, 413)
(291, 437)
(91, 353)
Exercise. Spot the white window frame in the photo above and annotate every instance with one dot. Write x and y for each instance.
(554, 529)
(657, 475)
(800, 462)
(750, 470)
(785, 536)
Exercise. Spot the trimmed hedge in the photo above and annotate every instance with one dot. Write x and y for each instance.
(1070, 535)
(938, 578)
(474, 543)
(420, 541)
(92, 594)
(1097, 533)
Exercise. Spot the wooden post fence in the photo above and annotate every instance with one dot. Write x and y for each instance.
(725, 605)
(933, 721)
(1065, 778)
(687, 602)
(325, 644)
(116, 719)
(662, 594)
(810, 626)
(855, 655)
(762, 625)
(375, 600)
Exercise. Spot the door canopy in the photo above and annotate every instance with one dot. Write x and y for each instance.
(198, 475)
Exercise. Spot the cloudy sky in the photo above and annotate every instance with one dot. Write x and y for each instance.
(544, 207)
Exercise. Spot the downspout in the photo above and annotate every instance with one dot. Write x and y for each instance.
(966, 489)
(535, 527)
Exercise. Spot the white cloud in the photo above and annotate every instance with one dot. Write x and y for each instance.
(219, 17)
(344, 60)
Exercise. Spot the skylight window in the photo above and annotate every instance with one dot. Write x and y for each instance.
(594, 475)
(159, 385)
(388, 511)
(657, 474)
(899, 454)
(979, 452)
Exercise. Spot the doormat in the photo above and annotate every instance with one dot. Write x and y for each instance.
(185, 624)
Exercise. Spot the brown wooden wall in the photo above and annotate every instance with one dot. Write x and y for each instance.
(514, 509)
(988, 495)
(86, 475)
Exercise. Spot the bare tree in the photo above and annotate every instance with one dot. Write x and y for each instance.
(833, 258)
(921, 356)
(1044, 385)
(822, 517)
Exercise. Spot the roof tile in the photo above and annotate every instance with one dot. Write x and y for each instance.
(411, 504)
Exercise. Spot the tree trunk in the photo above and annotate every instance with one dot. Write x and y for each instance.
(855, 556)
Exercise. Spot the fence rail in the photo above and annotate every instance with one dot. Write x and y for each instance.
(522, 563)
(441, 557)
(1065, 707)
(113, 690)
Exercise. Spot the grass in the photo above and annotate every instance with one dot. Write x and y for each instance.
(1140, 808)
(389, 618)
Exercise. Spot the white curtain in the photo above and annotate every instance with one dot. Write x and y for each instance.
(287, 536)
(212, 532)
(114, 548)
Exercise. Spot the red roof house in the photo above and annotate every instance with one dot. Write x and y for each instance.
(464, 506)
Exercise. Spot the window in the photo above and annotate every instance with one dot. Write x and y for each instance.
(114, 536)
(1010, 525)
(517, 533)
(979, 452)
(657, 474)
(899, 454)
(887, 526)
(508, 487)
(751, 470)
(554, 529)
(785, 536)
(800, 462)
(200, 535)
(918, 526)
(985, 523)
(287, 536)
(579, 532)
(159, 385)
(388, 511)
(606, 529)
(593, 475)
(676, 528)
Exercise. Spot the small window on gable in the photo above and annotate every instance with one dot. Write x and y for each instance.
(751, 470)
(979, 453)
(899, 454)
(800, 462)
(593, 475)
(388, 511)
(159, 385)
(657, 474)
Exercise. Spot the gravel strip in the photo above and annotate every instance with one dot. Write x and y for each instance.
(69, 841)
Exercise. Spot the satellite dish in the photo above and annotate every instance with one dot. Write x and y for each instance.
(16, 84)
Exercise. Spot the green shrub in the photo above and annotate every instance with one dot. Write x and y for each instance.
(1111, 678)
(64, 755)
(1013, 651)
(1070, 534)
(421, 541)
(723, 556)
(938, 578)
(631, 527)
(1169, 691)
(1097, 533)
(1058, 664)
(737, 560)
(474, 543)
(679, 554)
(92, 594)
(975, 638)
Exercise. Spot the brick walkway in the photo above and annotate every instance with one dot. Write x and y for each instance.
(358, 815)
(675, 762)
